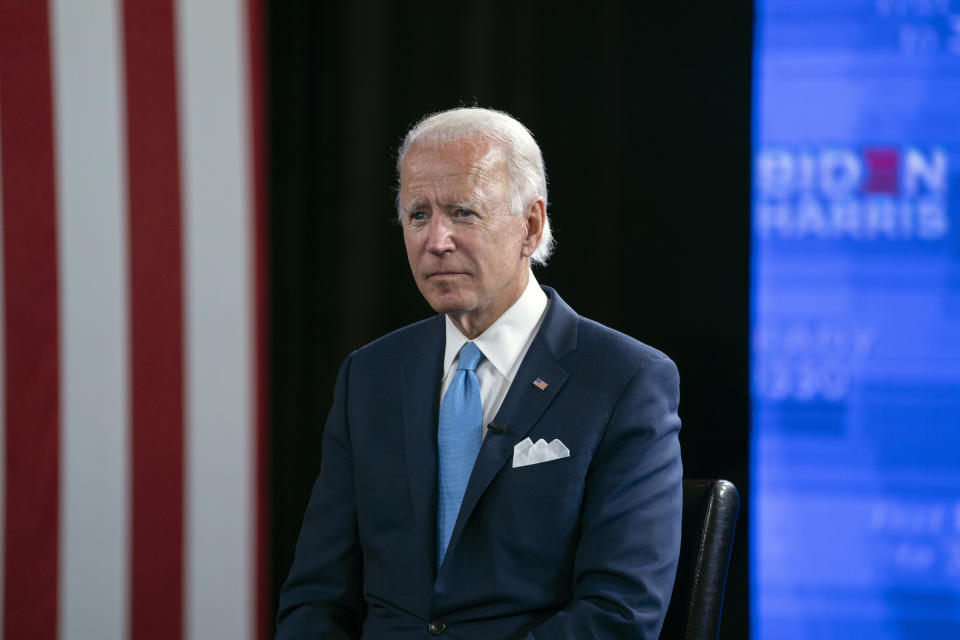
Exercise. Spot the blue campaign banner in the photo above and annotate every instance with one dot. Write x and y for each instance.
(856, 320)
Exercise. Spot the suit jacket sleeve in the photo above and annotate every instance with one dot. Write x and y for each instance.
(627, 555)
(322, 597)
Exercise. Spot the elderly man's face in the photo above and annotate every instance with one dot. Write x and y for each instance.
(468, 254)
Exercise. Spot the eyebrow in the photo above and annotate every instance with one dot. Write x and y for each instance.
(411, 207)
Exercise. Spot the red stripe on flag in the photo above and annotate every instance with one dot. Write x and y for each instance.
(30, 323)
(156, 324)
(262, 624)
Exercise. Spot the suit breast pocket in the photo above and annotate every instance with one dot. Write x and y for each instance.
(573, 466)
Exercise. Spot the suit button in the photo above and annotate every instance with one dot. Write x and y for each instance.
(436, 627)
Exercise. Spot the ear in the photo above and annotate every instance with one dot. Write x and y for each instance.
(534, 218)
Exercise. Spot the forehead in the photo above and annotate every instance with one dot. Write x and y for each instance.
(464, 163)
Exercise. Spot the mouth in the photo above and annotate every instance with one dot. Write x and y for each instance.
(444, 274)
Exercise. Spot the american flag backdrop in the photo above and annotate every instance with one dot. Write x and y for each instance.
(132, 395)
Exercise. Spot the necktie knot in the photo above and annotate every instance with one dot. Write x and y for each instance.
(470, 357)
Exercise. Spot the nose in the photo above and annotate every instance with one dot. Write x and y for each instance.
(440, 235)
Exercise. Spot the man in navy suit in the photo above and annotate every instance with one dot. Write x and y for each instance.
(507, 468)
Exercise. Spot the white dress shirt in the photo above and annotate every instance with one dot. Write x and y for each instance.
(503, 344)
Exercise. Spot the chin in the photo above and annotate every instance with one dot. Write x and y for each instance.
(446, 307)
(447, 303)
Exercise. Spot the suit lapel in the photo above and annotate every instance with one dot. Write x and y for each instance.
(524, 402)
(420, 384)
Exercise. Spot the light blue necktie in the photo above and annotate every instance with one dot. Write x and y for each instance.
(458, 441)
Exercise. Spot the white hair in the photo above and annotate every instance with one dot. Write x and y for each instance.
(525, 170)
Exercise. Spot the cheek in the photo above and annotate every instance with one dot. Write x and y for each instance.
(508, 243)
(410, 244)
(513, 231)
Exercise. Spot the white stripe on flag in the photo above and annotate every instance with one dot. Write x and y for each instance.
(212, 73)
(94, 544)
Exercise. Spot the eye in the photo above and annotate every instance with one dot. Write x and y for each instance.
(418, 216)
(463, 213)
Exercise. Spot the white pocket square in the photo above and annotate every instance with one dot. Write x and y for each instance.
(526, 453)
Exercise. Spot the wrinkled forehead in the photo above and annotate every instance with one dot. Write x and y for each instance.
(472, 159)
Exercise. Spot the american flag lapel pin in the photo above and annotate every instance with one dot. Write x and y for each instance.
(540, 384)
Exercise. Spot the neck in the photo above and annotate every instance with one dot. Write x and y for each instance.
(473, 323)
(471, 327)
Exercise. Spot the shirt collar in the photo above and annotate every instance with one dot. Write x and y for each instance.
(503, 341)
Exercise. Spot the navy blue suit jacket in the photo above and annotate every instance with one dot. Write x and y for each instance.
(580, 547)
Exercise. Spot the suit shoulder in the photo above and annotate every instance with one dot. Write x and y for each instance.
(399, 340)
(612, 367)
(603, 342)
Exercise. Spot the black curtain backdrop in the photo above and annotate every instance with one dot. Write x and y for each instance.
(643, 115)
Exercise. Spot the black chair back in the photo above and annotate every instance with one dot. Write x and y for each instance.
(710, 509)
